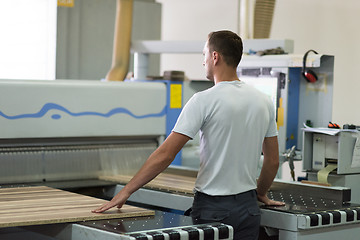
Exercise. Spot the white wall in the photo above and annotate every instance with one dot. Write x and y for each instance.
(193, 20)
(28, 39)
(331, 27)
(328, 26)
(86, 32)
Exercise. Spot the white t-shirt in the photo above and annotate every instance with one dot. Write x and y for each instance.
(233, 119)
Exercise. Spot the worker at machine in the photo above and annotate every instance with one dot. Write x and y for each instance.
(236, 123)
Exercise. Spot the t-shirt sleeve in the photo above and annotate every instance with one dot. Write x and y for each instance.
(272, 130)
(190, 119)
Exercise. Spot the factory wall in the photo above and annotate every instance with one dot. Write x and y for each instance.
(328, 26)
(85, 35)
(331, 27)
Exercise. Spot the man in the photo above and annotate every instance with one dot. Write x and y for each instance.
(236, 123)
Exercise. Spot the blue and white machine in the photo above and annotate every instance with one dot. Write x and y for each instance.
(67, 133)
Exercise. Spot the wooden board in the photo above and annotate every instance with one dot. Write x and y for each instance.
(25, 206)
(163, 182)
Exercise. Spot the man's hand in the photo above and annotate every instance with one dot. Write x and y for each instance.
(158, 161)
(119, 200)
(268, 202)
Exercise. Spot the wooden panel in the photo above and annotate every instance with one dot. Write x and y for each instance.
(43, 205)
(163, 182)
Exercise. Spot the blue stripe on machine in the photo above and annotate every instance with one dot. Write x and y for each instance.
(53, 106)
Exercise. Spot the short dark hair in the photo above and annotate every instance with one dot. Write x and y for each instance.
(228, 44)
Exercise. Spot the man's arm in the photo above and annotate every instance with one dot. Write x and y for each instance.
(269, 170)
(158, 161)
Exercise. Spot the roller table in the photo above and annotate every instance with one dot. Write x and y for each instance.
(310, 211)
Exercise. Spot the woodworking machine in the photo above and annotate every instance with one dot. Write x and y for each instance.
(73, 134)
(65, 134)
(311, 211)
(331, 156)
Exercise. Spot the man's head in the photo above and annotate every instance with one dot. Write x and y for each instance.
(228, 44)
(225, 43)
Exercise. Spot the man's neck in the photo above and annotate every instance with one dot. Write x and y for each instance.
(225, 77)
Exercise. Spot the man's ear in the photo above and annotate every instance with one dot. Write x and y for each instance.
(216, 57)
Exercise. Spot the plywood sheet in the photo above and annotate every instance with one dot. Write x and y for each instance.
(163, 182)
(25, 206)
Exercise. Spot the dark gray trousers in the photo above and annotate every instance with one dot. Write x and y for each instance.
(241, 211)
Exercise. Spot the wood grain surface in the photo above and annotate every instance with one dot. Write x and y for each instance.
(163, 182)
(25, 206)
